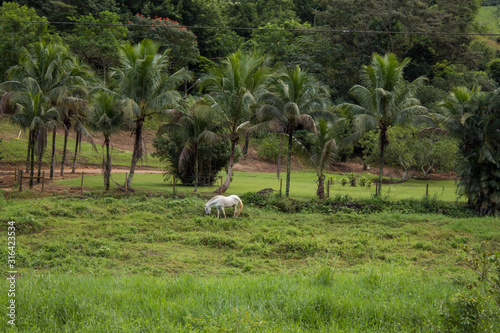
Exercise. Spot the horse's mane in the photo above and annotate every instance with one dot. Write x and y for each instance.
(213, 199)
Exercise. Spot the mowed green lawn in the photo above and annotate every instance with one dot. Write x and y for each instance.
(303, 185)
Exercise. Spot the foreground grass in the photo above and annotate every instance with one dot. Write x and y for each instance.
(146, 263)
(302, 185)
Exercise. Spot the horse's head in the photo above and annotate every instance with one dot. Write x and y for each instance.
(207, 210)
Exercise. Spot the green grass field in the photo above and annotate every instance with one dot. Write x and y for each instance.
(303, 185)
(489, 16)
(98, 263)
(15, 150)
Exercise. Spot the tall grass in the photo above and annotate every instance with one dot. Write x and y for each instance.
(383, 298)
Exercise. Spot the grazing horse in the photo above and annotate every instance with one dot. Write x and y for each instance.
(221, 201)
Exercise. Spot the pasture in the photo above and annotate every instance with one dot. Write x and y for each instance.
(147, 262)
(303, 185)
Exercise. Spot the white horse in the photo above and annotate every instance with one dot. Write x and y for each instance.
(221, 201)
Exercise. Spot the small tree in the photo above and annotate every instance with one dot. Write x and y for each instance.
(107, 114)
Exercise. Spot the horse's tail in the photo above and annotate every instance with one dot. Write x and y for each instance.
(241, 207)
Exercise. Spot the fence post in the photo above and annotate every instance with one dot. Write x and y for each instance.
(20, 180)
(15, 175)
(126, 185)
(173, 189)
(43, 181)
(81, 185)
(281, 186)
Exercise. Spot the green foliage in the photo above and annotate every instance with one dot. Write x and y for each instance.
(269, 146)
(169, 35)
(16, 35)
(213, 157)
(97, 40)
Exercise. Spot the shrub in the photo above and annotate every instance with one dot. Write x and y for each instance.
(269, 148)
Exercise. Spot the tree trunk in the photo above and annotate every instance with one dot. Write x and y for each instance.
(321, 187)
(40, 141)
(196, 171)
(107, 165)
(136, 155)
(66, 132)
(382, 141)
(245, 146)
(225, 186)
(52, 158)
(29, 154)
(78, 138)
(279, 158)
(289, 163)
(32, 158)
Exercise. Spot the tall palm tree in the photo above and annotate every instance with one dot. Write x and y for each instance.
(234, 87)
(292, 98)
(33, 113)
(196, 120)
(107, 114)
(50, 65)
(384, 100)
(143, 78)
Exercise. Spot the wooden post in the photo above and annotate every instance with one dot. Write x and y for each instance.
(376, 189)
(126, 185)
(20, 180)
(281, 186)
(427, 191)
(220, 192)
(15, 175)
(173, 188)
(81, 185)
(43, 181)
(328, 188)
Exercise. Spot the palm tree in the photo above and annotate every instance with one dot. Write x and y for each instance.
(293, 97)
(196, 120)
(33, 113)
(234, 87)
(386, 99)
(321, 152)
(50, 65)
(107, 114)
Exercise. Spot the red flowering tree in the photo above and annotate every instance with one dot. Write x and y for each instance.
(169, 34)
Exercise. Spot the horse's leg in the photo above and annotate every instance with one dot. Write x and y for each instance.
(235, 210)
(217, 212)
(223, 211)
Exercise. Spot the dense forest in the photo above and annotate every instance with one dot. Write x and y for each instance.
(316, 72)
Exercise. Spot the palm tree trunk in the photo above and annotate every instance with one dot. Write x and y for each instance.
(279, 158)
(321, 186)
(247, 142)
(136, 155)
(29, 154)
(52, 158)
(289, 162)
(78, 138)
(381, 161)
(32, 158)
(107, 165)
(40, 141)
(196, 171)
(225, 186)
(66, 132)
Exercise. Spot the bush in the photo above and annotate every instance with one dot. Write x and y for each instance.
(213, 158)
(269, 148)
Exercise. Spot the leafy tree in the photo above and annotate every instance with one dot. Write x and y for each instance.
(292, 97)
(97, 41)
(195, 120)
(107, 114)
(473, 117)
(16, 35)
(234, 87)
(385, 100)
(143, 78)
(180, 43)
